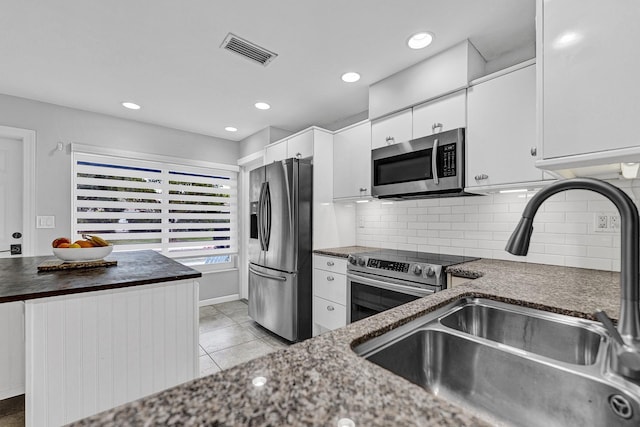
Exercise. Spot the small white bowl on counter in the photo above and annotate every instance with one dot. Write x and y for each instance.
(82, 254)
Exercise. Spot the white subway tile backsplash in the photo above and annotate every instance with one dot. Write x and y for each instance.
(452, 201)
(465, 209)
(439, 226)
(565, 250)
(456, 234)
(479, 235)
(568, 228)
(452, 218)
(603, 252)
(481, 225)
(565, 206)
(439, 210)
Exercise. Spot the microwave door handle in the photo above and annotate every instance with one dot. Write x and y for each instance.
(434, 162)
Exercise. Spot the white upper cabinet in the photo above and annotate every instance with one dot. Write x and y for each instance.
(392, 129)
(300, 146)
(589, 94)
(352, 162)
(445, 72)
(439, 115)
(275, 152)
(501, 131)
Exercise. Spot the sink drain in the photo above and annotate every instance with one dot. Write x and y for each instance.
(620, 406)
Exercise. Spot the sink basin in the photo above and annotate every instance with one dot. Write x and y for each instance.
(537, 332)
(495, 358)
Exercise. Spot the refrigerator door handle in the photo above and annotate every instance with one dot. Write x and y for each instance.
(267, 236)
(261, 217)
(267, 276)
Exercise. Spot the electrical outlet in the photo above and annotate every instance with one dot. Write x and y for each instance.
(606, 223)
(360, 222)
(614, 222)
(601, 222)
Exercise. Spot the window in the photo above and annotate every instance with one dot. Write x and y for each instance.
(179, 210)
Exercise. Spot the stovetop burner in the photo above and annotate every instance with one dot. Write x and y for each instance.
(419, 257)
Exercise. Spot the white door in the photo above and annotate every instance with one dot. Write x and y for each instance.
(11, 194)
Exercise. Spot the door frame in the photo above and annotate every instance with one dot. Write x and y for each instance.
(28, 138)
(247, 164)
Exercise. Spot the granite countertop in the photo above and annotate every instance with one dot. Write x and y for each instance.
(321, 380)
(344, 251)
(20, 279)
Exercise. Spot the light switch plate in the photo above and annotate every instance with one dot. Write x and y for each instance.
(45, 221)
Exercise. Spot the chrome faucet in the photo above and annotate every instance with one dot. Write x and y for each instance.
(629, 320)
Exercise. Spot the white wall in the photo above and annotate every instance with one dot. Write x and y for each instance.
(480, 226)
(55, 124)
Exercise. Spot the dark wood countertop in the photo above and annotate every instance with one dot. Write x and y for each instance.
(21, 280)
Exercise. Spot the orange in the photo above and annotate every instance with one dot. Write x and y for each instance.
(64, 245)
(84, 243)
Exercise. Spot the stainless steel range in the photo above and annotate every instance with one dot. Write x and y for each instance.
(383, 279)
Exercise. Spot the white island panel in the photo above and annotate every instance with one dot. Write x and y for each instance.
(92, 351)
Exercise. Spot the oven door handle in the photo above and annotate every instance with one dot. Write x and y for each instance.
(410, 290)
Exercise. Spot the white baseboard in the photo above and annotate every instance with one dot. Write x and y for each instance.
(219, 300)
(12, 392)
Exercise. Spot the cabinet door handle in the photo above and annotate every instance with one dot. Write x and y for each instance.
(534, 151)
(390, 140)
(330, 308)
(481, 177)
(436, 126)
(330, 263)
(330, 279)
(363, 189)
(298, 155)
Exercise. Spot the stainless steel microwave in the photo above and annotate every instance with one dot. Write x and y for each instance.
(430, 166)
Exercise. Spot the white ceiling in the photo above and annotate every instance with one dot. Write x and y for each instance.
(166, 56)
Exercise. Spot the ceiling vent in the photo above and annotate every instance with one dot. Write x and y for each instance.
(248, 50)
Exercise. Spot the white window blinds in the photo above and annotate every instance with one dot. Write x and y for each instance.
(139, 204)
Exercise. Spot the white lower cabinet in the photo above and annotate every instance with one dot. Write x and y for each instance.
(329, 293)
(328, 314)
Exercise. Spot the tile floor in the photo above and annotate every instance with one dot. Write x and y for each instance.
(228, 337)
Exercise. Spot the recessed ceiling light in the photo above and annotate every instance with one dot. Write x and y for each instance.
(262, 106)
(420, 40)
(231, 129)
(350, 77)
(131, 105)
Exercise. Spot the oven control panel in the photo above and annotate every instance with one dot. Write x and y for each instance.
(401, 267)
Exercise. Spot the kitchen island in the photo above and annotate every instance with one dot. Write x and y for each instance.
(96, 338)
(322, 381)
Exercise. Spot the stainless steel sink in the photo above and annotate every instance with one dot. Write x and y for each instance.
(555, 337)
(462, 354)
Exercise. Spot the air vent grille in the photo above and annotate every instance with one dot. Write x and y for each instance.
(248, 50)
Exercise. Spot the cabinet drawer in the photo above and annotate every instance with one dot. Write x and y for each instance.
(330, 285)
(328, 314)
(329, 263)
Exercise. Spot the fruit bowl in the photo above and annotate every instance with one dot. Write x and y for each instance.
(82, 254)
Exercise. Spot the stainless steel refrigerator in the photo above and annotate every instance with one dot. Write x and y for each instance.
(280, 262)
